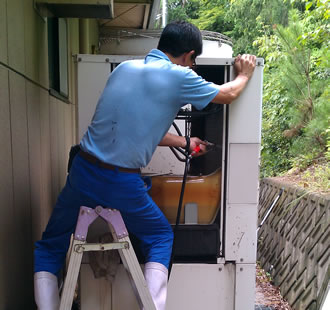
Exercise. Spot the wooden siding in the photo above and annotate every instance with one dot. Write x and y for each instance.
(3, 32)
(36, 132)
(21, 260)
(16, 34)
(6, 187)
(30, 164)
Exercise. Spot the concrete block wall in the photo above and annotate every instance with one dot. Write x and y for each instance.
(294, 242)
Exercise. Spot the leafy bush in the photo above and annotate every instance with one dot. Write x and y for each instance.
(293, 37)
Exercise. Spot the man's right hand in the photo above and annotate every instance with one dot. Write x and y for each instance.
(244, 65)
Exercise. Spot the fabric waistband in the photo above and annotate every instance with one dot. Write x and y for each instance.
(92, 159)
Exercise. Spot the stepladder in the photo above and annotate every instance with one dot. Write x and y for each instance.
(121, 243)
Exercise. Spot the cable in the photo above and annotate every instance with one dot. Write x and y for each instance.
(178, 215)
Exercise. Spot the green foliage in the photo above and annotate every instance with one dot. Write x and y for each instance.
(242, 20)
(293, 37)
(297, 68)
(251, 18)
(182, 9)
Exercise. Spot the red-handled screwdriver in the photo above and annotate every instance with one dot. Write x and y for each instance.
(209, 147)
(195, 151)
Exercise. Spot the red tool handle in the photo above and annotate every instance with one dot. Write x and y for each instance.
(196, 150)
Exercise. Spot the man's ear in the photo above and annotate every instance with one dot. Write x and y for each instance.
(187, 57)
(192, 53)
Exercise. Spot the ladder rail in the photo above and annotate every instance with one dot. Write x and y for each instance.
(71, 276)
(136, 276)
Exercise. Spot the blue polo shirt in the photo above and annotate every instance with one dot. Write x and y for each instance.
(137, 107)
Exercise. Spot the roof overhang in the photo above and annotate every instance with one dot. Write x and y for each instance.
(136, 14)
(76, 8)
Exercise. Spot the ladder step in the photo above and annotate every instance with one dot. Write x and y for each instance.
(101, 246)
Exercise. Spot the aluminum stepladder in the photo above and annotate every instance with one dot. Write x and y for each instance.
(121, 243)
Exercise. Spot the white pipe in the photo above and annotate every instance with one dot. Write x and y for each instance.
(164, 13)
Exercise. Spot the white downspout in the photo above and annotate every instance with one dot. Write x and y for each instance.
(164, 11)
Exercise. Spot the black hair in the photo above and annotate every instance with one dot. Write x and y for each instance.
(180, 37)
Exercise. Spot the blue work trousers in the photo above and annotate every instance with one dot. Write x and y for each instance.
(90, 185)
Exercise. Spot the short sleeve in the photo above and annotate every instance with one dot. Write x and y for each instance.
(196, 91)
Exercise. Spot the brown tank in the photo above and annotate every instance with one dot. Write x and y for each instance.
(205, 191)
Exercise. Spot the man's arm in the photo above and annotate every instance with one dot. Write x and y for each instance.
(244, 67)
(173, 140)
(180, 141)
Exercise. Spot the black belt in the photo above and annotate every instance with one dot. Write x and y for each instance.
(92, 159)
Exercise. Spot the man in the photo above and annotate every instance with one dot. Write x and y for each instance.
(133, 115)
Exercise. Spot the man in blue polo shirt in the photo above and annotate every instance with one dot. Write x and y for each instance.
(132, 117)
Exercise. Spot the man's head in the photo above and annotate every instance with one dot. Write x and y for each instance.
(180, 38)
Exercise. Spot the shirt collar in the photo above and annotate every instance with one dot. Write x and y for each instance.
(155, 54)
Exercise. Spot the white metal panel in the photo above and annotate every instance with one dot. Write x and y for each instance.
(201, 286)
(245, 112)
(163, 161)
(91, 81)
(243, 173)
(245, 287)
(214, 49)
(142, 46)
(211, 61)
(101, 294)
(122, 292)
(191, 286)
(83, 58)
(94, 293)
(240, 234)
(134, 46)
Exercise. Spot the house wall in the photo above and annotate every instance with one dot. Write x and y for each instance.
(36, 132)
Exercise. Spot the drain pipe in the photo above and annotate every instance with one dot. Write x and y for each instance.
(164, 13)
